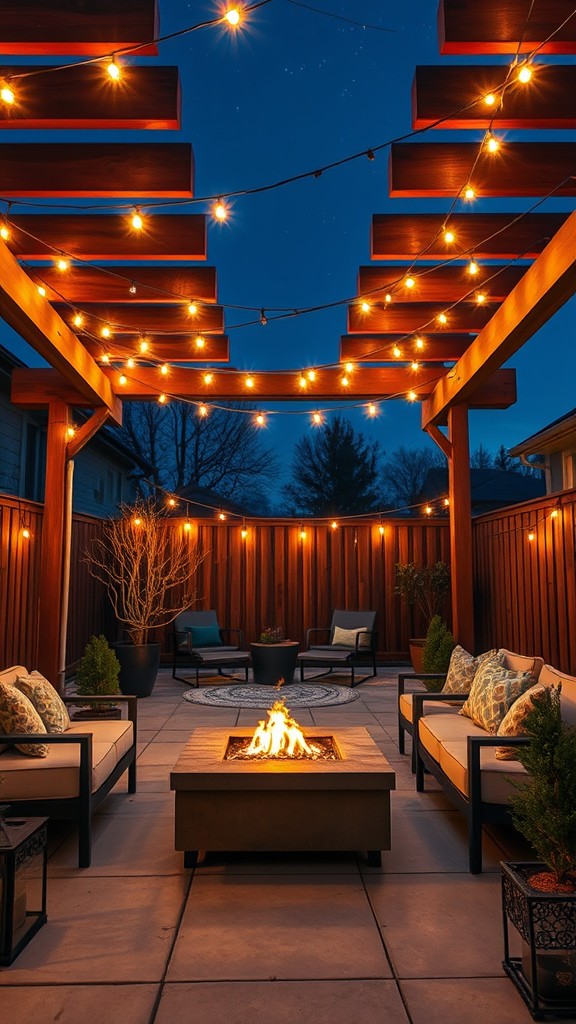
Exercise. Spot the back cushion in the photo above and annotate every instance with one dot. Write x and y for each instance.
(46, 700)
(462, 669)
(493, 692)
(521, 663)
(347, 637)
(18, 715)
(204, 636)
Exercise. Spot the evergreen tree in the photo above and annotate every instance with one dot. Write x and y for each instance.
(334, 472)
(438, 647)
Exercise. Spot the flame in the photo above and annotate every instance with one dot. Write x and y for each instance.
(280, 736)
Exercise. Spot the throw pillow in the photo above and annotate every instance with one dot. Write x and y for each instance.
(492, 693)
(347, 637)
(204, 636)
(462, 669)
(514, 722)
(18, 715)
(46, 700)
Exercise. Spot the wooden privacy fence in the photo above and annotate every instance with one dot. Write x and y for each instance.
(525, 593)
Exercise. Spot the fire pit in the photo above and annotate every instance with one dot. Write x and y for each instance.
(337, 797)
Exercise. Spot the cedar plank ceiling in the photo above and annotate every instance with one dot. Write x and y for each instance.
(547, 102)
(433, 169)
(81, 284)
(84, 96)
(75, 27)
(378, 348)
(497, 26)
(109, 237)
(438, 284)
(404, 236)
(107, 169)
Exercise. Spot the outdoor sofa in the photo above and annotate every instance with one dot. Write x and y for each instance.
(462, 756)
(82, 765)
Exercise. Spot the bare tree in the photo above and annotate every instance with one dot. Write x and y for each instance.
(481, 458)
(405, 472)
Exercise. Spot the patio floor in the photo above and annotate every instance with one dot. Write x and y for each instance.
(270, 939)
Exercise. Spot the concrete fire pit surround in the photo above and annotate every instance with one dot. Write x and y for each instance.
(271, 805)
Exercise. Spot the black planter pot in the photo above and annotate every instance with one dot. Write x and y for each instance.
(138, 668)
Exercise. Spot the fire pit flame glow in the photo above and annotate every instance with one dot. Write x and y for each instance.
(279, 736)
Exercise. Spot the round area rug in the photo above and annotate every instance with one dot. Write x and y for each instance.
(246, 695)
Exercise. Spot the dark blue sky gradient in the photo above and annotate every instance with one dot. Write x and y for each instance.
(295, 90)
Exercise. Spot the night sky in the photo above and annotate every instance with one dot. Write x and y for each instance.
(292, 91)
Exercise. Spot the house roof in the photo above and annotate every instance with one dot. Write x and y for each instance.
(201, 502)
(553, 438)
(488, 486)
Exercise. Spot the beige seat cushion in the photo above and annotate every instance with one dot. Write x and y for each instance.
(434, 730)
(431, 707)
(56, 775)
(121, 733)
(496, 775)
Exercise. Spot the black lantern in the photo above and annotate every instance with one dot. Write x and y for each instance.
(23, 855)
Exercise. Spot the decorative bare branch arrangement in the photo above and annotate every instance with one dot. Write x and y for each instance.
(147, 564)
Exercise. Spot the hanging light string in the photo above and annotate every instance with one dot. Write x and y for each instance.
(340, 17)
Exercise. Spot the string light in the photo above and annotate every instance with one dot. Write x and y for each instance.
(137, 221)
(490, 99)
(333, 525)
(317, 419)
(302, 533)
(554, 513)
(396, 352)
(78, 320)
(344, 382)
(106, 332)
(524, 73)
(302, 382)
(131, 363)
(133, 289)
(372, 409)
(25, 533)
(221, 516)
(220, 211)
(249, 382)
(203, 410)
(105, 358)
(162, 398)
(122, 380)
(469, 193)
(311, 374)
(41, 290)
(365, 306)
(62, 264)
(187, 526)
(193, 309)
(232, 16)
(492, 143)
(409, 282)
(70, 432)
(5, 231)
(244, 531)
(428, 510)
(164, 369)
(381, 528)
(349, 367)
(411, 396)
(442, 318)
(260, 419)
(200, 341)
(263, 318)
(208, 378)
(144, 346)
(414, 365)
(113, 70)
(480, 298)
(6, 95)
(473, 267)
(446, 502)
(419, 342)
(171, 502)
(449, 236)
(531, 536)
(388, 298)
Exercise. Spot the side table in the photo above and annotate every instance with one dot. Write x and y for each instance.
(271, 662)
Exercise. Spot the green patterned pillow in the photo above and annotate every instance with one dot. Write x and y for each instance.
(514, 722)
(46, 700)
(462, 669)
(18, 715)
(493, 691)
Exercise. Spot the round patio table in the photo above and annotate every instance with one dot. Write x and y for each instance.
(271, 662)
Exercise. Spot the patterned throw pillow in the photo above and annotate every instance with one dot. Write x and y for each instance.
(492, 693)
(347, 637)
(462, 669)
(46, 700)
(514, 722)
(18, 715)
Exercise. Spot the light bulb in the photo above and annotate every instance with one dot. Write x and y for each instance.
(554, 513)
(372, 410)
(171, 502)
(130, 363)
(442, 318)
(449, 236)
(25, 533)
(4, 232)
(381, 530)
(41, 290)
(525, 73)
(202, 410)
(70, 431)
(243, 533)
(490, 99)
(387, 297)
(365, 306)
(311, 375)
(222, 516)
(144, 346)
(162, 398)
(200, 341)
(333, 525)
(78, 320)
(469, 193)
(411, 396)
(232, 16)
(446, 502)
(419, 342)
(531, 536)
(193, 309)
(260, 419)
(62, 264)
(105, 358)
(396, 352)
(302, 533)
(480, 298)
(133, 289)
(428, 510)
(409, 282)
(316, 419)
(113, 70)
(6, 95)
(302, 382)
(208, 378)
(187, 526)
(249, 382)
(344, 382)
(492, 144)
(220, 211)
(472, 267)
(164, 369)
(414, 365)
(105, 332)
(122, 380)
(137, 222)
(263, 318)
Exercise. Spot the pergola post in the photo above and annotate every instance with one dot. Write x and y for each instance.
(460, 527)
(53, 534)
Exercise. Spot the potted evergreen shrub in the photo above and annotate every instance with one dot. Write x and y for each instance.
(539, 899)
(97, 676)
(424, 587)
(148, 563)
(437, 651)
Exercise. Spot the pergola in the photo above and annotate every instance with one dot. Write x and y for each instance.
(521, 299)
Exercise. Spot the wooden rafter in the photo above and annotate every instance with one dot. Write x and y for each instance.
(85, 432)
(443, 169)
(30, 388)
(39, 324)
(81, 284)
(466, 26)
(379, 348)
(421, 316)
(545, 287)
(110, 169)
(134, 318)
(404, 236)
(442, 284)
(548, 102)
(67, 26)
(109, 237)
(84, 96)
(178, 348)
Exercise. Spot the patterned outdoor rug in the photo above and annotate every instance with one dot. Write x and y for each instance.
(248, 695)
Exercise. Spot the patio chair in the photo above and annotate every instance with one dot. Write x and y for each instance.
(349, 641)
(200, 641)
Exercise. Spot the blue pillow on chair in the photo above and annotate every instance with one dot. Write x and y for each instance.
(204, 636)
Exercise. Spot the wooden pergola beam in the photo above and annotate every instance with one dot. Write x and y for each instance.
(495, 27)
(545, 287)
(67, 26)
(88, 169)
(378, 348)
(84, 96)
(442, 284)
(399, 317)
(404, 236)
(134, 318)
(178, 348)
(38, 323)
(547, 102)
(86, 284)
(109, 236)
(430, 169)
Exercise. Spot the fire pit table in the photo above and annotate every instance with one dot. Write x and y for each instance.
(226, 803)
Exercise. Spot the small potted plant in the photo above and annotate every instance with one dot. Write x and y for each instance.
(272, 635)
(426, 588)
(437, 651)
(97, 675)
(539, 899)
